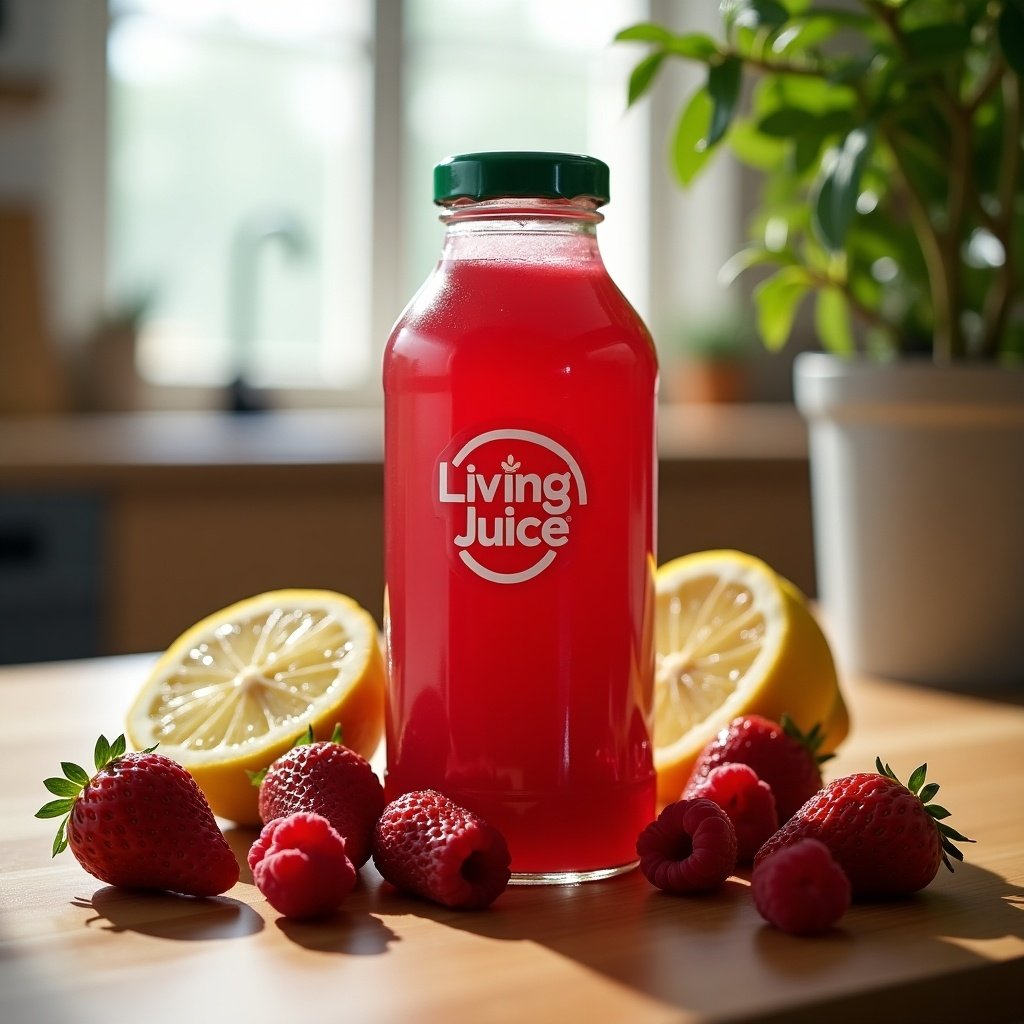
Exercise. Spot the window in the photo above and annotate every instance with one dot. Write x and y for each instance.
(270, 164)
(239, 183)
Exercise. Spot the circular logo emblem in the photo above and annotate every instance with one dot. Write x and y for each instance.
(509, 496)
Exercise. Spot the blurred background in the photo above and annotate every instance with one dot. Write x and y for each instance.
(217, 205)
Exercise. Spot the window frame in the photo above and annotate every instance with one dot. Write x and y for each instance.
(678, 272)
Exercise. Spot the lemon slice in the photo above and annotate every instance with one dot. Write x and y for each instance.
(234, 691)
(734, 638)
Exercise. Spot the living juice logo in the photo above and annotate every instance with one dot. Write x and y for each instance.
(509, 496)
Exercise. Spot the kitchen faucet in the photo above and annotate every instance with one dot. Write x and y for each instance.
(256, 229)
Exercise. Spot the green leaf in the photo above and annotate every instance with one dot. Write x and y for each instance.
(806, 154)
(643, 75)
(814, 95)
(937, 812)
(786, 122)
(256, 777)
(689, 151)
(928, 793)
(832, 322)
(337, 735)
(754, 14)
(644, 32)
(949, 848)
(118, 747)
(75, 773)
(777, 300)
(839, 187)
(951, 833)
(917, 777)
(55, 808)
(850, 71)
(796, 122)
(937, 42)
(60, 840)
(755, 149)
(1010, 31)
(724, 81)
(694, 45)
(62, 787)
(808, 29)
(101, 753)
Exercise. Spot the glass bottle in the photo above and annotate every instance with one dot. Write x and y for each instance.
(520, 522)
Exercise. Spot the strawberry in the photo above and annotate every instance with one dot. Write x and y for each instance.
(141, 822)
(779, 753)
(329, 779)
(689, 848)
(299, 864)
(888, 838)
(428, 845)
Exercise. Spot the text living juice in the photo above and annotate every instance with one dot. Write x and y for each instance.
(519, 522)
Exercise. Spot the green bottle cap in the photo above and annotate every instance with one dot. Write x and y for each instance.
(480, 176)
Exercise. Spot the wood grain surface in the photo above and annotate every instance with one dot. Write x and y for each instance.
(75, 950)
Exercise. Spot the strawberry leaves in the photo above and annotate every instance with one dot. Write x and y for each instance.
(927, 793)
(74, 780)
(812, 739)
(105, 752)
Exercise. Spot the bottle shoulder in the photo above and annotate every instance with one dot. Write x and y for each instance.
(482, 300)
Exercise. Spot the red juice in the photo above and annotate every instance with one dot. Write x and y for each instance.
(519, 511)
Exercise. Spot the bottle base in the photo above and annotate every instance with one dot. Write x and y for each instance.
(570, 877)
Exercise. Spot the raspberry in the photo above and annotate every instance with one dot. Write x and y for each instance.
(299, 864)
(690, 848)
(801, 889)
(747, 800)
(428, 845)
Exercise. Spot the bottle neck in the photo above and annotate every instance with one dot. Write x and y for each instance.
(522, 229)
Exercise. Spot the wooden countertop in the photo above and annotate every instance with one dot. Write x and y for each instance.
(74, 949)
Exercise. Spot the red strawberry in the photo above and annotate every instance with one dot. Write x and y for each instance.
(428, 845)
(887, 837)
(800, 888)
(141, 822)
(299, 864)
(328, 779)
(746, 799)
(781, 755)
(690, 848)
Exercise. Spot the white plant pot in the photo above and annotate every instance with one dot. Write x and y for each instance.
(917, 483)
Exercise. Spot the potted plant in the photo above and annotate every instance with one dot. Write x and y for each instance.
(705, 359)
(888, 134)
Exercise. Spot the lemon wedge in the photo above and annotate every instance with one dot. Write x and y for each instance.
(733, 638)
(234, 691)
